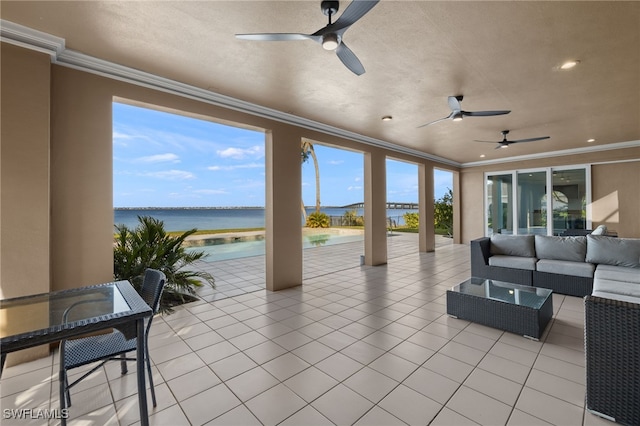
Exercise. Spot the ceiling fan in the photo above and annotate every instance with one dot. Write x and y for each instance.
(504, 143)
(330, 36)
(457, 113)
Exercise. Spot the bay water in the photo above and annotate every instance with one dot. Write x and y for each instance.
(182, 219)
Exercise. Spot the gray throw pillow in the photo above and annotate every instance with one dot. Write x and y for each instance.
(513, 245)
(613, 251)
(573, 249)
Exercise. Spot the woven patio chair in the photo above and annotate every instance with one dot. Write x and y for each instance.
(108, 347)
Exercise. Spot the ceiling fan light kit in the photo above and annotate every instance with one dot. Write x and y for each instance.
(330, 41)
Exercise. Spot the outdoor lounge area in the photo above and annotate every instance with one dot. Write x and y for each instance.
(359, 345)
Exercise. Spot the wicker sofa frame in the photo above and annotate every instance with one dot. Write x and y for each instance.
(612, 350)
(564, 284)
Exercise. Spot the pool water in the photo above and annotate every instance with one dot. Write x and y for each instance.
(256, 247)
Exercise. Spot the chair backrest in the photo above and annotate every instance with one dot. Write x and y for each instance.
(152, 287)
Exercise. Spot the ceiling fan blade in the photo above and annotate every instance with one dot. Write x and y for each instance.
(454, 103)
(437, 121)
(530, 139)
(476, 140)
(356, 10)
(484, 113)
(277, 37)
(349, 59)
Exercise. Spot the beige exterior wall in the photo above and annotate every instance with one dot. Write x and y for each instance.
(615, 184)
(24, 177)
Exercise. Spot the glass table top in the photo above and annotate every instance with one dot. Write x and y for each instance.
(43, 311)
(514, 294)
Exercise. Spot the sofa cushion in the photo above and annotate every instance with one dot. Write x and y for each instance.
(565, 267)
(573, 249)
(613, 251)
(603, 285)
(515, 262)
(618, 273)
(513, 245)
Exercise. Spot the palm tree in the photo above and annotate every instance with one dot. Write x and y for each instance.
(306, 151)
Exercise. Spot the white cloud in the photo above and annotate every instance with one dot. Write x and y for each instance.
(354, 188)
(211, 191)
(237, 166)
(121, 136)
(241, 153)
(358, 179)
(159, 158)
(171, 175)
(335, 162)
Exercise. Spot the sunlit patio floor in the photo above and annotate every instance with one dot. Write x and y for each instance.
(353, 345)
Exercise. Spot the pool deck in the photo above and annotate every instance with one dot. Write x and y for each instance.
(246, 275)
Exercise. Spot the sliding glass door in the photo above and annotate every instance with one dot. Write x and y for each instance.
(532, 204)
(499, 204)
(518, 202)
(569, 201)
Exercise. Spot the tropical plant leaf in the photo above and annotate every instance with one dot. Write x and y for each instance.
(149, 246)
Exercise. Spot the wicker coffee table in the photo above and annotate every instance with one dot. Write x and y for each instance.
(511, 307)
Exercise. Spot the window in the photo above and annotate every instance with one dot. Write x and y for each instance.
(533, 210)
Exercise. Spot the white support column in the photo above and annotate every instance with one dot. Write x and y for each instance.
(375, 208)
(282, 210)
(457, 209)
(426, 228)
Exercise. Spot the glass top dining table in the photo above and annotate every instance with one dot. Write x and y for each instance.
(39, 319)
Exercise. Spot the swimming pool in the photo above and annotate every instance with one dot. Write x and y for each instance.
(252, 244)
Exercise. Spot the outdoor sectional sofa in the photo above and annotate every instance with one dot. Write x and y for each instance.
(606, 272)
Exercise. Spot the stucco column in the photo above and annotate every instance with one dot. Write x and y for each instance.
(24, 199)
(282, 211)
(375, 208)
(426, 228)
(457, 212)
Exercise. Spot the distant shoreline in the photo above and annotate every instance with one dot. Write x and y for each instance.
(190, 208)
(210, 208)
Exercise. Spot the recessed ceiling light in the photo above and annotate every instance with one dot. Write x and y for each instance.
(387, 118)
(569, 64)
(591, 140)
(482, 155)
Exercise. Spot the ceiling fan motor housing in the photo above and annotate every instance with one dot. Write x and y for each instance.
(330, 7)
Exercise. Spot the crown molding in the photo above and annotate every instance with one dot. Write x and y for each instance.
(28, 38)
(560, 153)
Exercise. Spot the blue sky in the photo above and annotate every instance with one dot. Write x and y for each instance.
(168, 160)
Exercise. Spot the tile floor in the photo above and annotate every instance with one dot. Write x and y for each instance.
(354, 345)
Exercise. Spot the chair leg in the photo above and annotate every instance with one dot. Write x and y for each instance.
(123, 365)
(153, 391)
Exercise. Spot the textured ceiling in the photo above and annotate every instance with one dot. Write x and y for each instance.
(499, 55)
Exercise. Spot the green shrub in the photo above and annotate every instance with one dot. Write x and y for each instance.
(351, 218)
(150, 246)
(411, 220)
(443, 212)
(318, 220)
